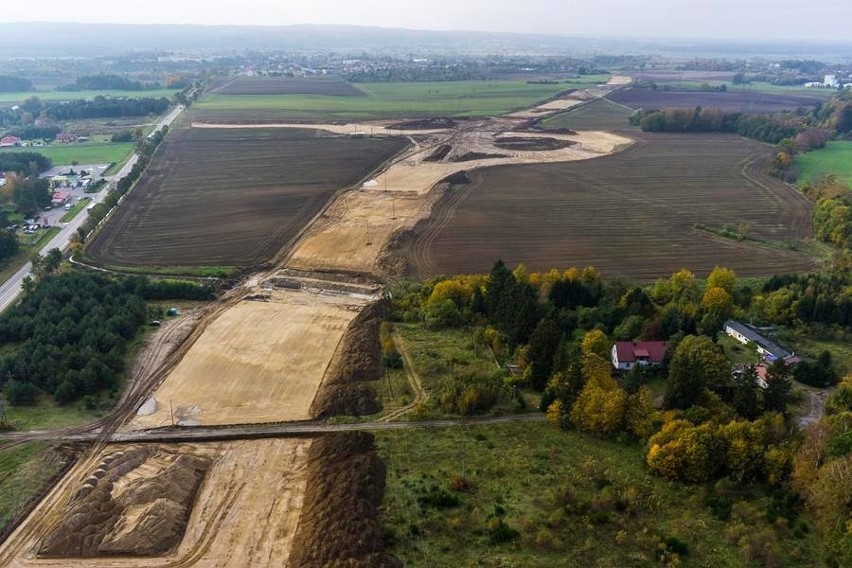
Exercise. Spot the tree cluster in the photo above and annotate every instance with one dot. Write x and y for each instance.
(107, 82)
(106, 107)
(71, 330)
(24, 163)
(9, 84)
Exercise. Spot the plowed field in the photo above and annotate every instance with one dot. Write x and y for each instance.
(233, 197)
(732, 100)
(630, 214)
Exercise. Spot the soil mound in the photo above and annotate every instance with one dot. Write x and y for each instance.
(458, 178)
(358, 359)
(470, 156)
(340, 524)
(424, 124)
(439, 154)
(521, 143)
(136, 502)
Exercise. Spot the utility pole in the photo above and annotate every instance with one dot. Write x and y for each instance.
(171, 413)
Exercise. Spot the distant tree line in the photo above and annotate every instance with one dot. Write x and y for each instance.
(107, 83)
(9, 84)
(106, 107)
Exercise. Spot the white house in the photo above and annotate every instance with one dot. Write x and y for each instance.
(830, 81)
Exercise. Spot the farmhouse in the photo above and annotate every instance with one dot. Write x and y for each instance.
(9, 141)
(766, 348)
(627, 354)
(60, 197)
(66, 138)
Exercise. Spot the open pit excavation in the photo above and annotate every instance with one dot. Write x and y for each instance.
(261, 360)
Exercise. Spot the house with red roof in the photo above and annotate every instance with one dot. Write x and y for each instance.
(9, 141)
(628, 354)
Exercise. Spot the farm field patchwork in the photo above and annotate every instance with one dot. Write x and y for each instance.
(288, 86)
(733, 100)
(252, 364)
(219, 197)
(631, 214)
(386, 100)
(597, 115)
(835, 158)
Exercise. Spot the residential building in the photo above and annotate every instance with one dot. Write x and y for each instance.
(766, 348)
(628, 354)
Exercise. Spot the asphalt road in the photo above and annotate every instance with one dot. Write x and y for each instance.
(11, 289)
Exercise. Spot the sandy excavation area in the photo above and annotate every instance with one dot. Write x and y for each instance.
(351, 234)
(245, 512)
(261, 360)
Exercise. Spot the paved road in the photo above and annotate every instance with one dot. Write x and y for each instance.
(290, 429)
(11, 289)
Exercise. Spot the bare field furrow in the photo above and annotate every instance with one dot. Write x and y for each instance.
(642, 213)
(233, 197)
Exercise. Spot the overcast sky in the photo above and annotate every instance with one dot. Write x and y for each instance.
(758, 19)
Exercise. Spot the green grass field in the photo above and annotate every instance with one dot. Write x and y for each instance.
(456, 98)
(573, 500)
(602, 114)
(23, 472)
(48, 415)
(835, 158)
(12, 98)
(92, 153)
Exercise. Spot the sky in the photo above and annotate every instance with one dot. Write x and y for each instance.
(723, 19)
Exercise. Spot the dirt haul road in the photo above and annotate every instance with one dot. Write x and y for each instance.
(245, 512)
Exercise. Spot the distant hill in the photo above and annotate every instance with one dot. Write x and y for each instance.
(39, 39)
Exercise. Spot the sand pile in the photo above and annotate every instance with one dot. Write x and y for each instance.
(135, 502)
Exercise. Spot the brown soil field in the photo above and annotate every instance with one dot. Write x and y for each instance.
(221, 197)
(352, 234)
(629, 214)
(245, 512)
(732, 100)
(259, 361)
(288, 86)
